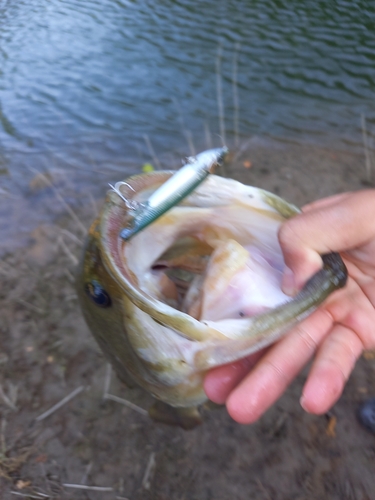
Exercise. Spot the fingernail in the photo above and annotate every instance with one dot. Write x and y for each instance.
(302, 402)
(288, 282)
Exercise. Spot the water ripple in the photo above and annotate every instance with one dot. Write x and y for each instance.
(73, 70)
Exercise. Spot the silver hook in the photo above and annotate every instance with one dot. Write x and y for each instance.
(131, 205)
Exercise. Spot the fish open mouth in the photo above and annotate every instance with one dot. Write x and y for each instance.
(211, 267)
(215, 257)
(226, 281)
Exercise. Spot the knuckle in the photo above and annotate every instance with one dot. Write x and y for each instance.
(363, 326)
(309, 341)
(279, 373)
(349, 348)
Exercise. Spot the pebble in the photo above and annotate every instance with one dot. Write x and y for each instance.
(366, 414)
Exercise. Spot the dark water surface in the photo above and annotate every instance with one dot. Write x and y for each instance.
(85, 83)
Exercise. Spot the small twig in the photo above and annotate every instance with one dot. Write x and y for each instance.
(29, 495)
(189, 138)
(69, 210)
(13, 393)
(146, 482)
(263, 489)
(93, 204)
(367, 149)
(60, 404)
(84, 487)
(220, 93)
(107, 379)
(71, 236)
(69, 275)
(30, 306)
(6, 193)
(207, 133)
(241, 149)
(86, 473)
(7, 400)
(235, 96)
(121, 486)
(3, 444)
(126, 403)
(67, 251)
(151, 151)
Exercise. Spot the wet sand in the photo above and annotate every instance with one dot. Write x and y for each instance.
(47, 353)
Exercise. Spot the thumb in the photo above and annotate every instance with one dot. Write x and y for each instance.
(335, 224)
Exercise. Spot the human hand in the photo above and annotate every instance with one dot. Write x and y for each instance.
(336, 334)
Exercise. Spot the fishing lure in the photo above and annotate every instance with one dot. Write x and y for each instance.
(175, 189)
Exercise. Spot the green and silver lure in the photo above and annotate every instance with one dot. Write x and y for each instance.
(174, 190)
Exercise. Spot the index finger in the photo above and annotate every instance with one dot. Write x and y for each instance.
(333, 225)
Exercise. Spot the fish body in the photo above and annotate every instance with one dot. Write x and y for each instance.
(198, 288)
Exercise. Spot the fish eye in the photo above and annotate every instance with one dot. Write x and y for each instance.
(97, 294)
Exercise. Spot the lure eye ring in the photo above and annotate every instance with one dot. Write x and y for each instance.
(97, 294)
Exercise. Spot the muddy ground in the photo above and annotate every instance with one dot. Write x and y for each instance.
(47, 352)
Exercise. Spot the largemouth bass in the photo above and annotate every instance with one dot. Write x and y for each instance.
(198, 288)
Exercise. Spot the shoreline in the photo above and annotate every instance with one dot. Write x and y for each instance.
(298, 172)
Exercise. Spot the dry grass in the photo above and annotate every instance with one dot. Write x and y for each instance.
(11, 465)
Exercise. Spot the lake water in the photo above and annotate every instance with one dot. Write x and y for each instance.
(87, 83)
